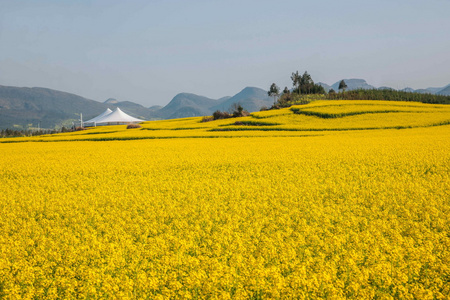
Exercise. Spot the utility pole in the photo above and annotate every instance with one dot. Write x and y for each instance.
(81, 120)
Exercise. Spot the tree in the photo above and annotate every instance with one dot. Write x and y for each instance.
(296, 78)
(306, 83)
(342, 85)
(236, 110)
(331, 91)
(274, 92)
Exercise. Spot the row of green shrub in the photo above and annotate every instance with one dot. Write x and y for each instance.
(236, 111)
(333, 116)
(389, 95)
(289, 99)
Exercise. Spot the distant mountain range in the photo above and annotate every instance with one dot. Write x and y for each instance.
(445, 91)
(354, 84)
(191, 105)
(23, 108)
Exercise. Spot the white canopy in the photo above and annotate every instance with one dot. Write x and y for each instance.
(117, 116)
(103, 114)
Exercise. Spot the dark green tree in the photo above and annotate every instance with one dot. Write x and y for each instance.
(306, 83)
(274, 92)
(303, 84)
(342, 85)
(296, 78)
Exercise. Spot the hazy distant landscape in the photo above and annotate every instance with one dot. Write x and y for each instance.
(24, 108)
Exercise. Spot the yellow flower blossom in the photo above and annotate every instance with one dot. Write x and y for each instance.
(322, 211)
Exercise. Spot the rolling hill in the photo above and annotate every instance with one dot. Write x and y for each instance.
(353, 84)
(192, 105)
(23, 107)
(250, 98)
(445, 91)
(187, 105)
(325, 86)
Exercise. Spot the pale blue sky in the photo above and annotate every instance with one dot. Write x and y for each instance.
(148, 51)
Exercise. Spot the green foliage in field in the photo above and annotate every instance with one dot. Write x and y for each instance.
(389, 95)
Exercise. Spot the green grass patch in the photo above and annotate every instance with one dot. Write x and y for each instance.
(99, 132)
(341, 115)
(258, 116)
(252, 123)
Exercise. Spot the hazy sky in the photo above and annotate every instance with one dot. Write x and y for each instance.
(148, 51)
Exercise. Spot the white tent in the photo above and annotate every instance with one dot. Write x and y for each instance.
(117, 117)
(103, 114)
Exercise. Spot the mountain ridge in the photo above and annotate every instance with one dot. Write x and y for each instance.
(353, 84)
(193, 104)
(250, 98)
(25, 107)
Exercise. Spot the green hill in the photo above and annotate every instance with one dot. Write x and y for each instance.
(23, 107)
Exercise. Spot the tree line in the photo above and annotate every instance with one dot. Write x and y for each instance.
(305, 90)
(388, 95)
(5, 133)
(302, 85)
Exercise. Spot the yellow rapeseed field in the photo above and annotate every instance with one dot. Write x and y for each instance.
(333, 200)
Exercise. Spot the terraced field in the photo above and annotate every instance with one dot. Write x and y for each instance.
(335, 199)
(317, 118)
